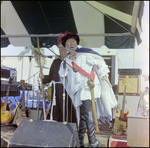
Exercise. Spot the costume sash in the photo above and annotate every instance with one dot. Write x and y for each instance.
(83, 72)
(87, 50)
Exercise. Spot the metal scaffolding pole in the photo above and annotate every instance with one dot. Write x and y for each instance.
(57, 35)
(51, 56)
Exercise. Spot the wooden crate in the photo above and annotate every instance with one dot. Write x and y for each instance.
(138, 131)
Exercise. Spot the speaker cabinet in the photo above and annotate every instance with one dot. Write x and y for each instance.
(133, 85)
(3, 143)
(45, 133)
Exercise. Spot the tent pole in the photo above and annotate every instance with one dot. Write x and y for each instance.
(57, 35)
(22, 69)
(134, 55)
(30, 68)
(135, 13)
(29, 75)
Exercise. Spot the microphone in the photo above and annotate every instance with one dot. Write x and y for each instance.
(75, 70)
(64, 67)
(39, 53)
(64, 64)
(44, 44)
(49, 56)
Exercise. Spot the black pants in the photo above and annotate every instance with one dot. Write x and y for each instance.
(86, 122)
(58, 108)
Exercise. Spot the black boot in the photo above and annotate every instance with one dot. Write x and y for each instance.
(95, 144)
(87, 112)
(82, 129)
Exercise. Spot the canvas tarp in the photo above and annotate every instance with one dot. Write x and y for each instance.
(115, 24)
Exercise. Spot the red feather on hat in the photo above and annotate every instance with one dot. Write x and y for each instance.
(59, 41)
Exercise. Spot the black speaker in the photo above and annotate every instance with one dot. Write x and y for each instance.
(7, 72)
(45, 133)
(3, 143)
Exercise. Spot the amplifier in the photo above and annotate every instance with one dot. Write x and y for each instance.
(15, 86)
(130, 71)
(133, 86)
(7, 72)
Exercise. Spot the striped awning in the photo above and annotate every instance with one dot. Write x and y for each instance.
(115, 24)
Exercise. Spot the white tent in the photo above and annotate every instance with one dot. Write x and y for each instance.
(115, 24)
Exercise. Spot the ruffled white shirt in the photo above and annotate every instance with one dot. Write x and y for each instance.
(76, 83)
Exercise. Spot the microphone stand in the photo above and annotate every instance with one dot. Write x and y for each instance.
(33, 90)
(64, 67)
(38, 101)
(47, 46)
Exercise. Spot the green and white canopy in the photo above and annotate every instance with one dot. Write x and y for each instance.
(115, 24)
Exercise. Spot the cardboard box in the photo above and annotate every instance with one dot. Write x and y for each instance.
(118, 141)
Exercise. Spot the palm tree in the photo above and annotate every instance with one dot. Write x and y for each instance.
(32, 48)
(36, 58)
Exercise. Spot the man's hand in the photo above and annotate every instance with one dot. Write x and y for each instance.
(72, 55)
(41, 75)
(107, 80)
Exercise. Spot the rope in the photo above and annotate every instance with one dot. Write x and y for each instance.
(67, 105)
(54, 100)
(51, 115)
(112, 19)
(145, 46)
(45, 17)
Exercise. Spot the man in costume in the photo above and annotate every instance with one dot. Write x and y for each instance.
(83, 59)
(54, 76)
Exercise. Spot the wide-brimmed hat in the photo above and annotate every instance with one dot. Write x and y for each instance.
(70, 35)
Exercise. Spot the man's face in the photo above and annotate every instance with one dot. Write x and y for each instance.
(62, 50)
(71, 44)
